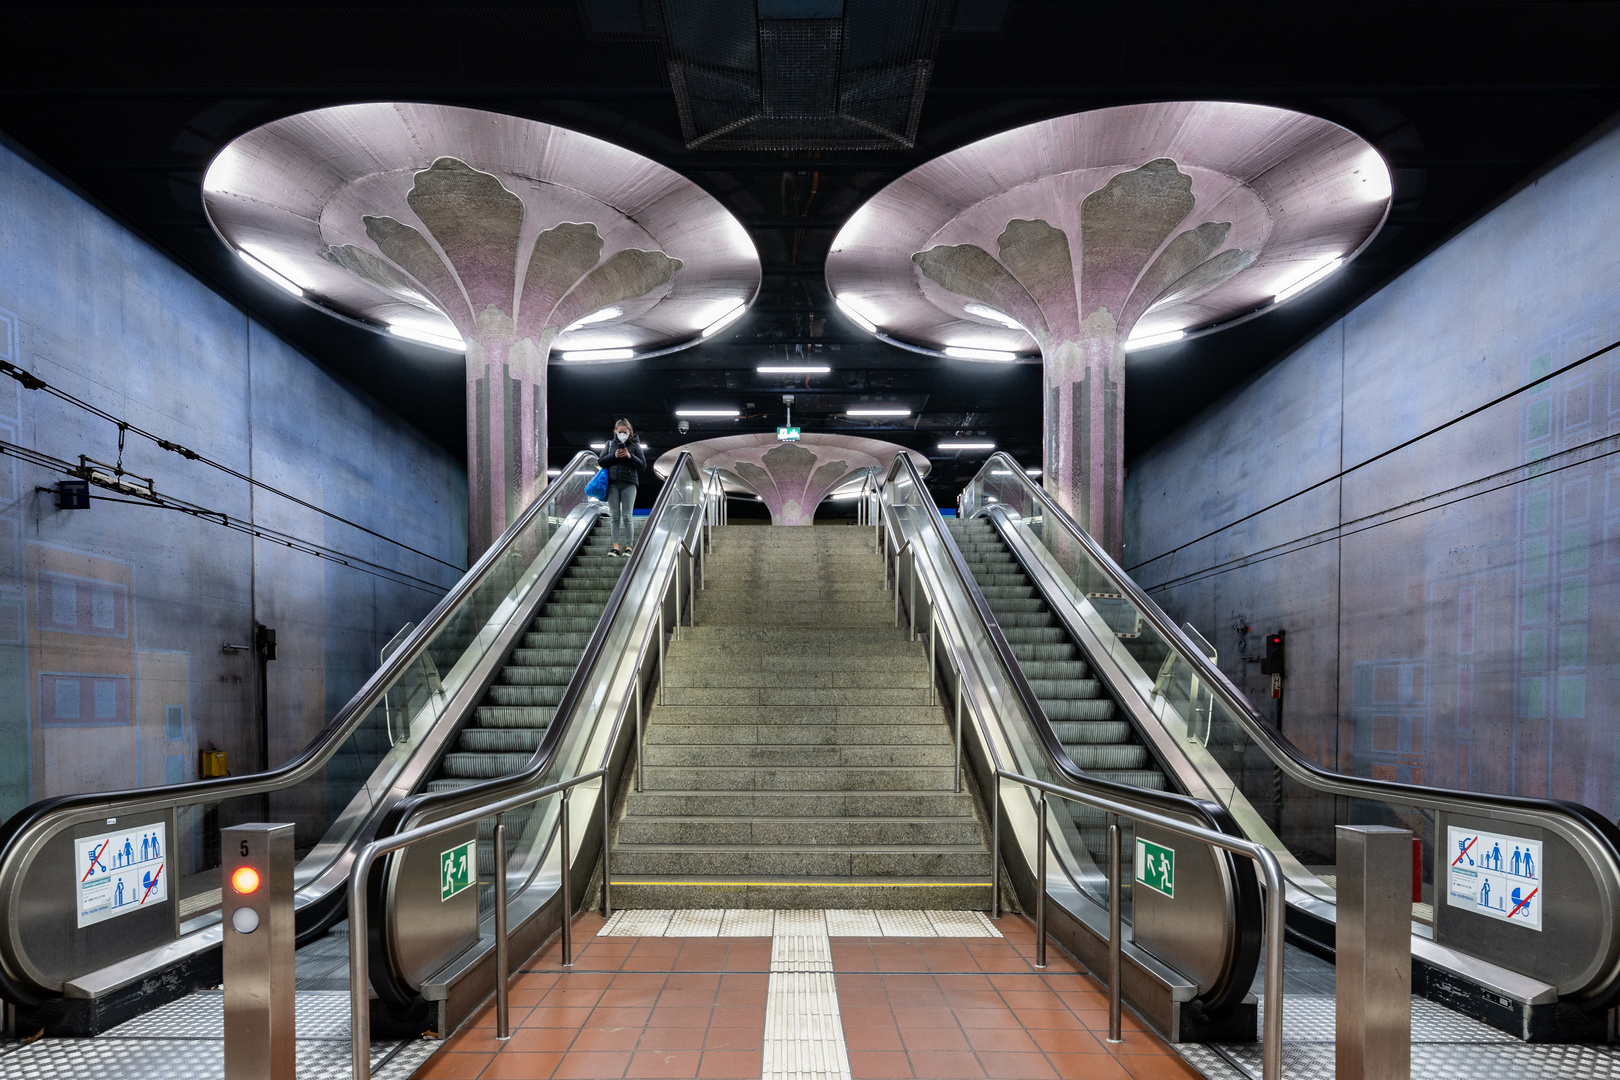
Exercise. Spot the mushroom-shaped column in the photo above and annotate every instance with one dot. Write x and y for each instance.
(1074, 235)
(790, 478)
(501, 236)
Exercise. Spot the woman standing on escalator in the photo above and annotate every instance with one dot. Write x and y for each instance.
(623, 459)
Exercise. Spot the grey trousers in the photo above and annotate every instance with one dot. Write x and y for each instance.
(621, 500)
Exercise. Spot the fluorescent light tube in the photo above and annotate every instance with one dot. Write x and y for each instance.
(967, 446)
(1153, 340)
(1308, 280)
(280, 280)
(878, 412)
(855, 316)
(428, 337)
(793, 369)
(725, 320)
(706, 412)
(601, 354)
(961, 353)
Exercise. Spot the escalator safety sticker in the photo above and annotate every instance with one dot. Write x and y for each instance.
(456, 869)
(121, 872)
(1496, 875)
(1156, 867)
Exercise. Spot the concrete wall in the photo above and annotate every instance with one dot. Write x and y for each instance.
(113, 619)
(1452, 609)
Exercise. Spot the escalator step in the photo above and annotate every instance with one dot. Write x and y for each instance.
(1066, 689)
(524, 695)
(482, 766)
(1098, 708)
(1029, 653)
(1056, 670)
(482, 740)
(1100, 759)
(517, 674)
(1092, 732)
(502, 716)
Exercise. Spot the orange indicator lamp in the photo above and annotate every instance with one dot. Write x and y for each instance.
(245, 880)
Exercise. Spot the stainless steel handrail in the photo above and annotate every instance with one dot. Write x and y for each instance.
(25, 832)
(1270, 872)
(359, 944)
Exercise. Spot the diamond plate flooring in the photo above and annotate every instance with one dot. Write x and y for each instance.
(1445, 1045)
(184, 1040)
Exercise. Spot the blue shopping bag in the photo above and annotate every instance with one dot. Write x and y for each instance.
(597, 488)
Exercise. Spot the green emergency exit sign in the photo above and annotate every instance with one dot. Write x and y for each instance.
(456, 869)
(1156, 867)
(787, 434)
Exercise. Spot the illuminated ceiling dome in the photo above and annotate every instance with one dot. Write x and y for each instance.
(506, 237)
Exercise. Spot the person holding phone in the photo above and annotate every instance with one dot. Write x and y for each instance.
(623, 459)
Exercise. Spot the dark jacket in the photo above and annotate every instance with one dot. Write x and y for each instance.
(622, 470)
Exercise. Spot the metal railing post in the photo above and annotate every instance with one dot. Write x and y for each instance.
(503, 1016)
(1040, 888)
(1271, 1034)
(1116, 901)
(933, 677)
(678, 592)
(995, 843)
(957, 765)
(567, 896)
(607, 820)
(359, 968)
(661, 670)
(911, 596)
(640, 734)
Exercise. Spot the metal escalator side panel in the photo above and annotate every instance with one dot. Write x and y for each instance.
(28, 980)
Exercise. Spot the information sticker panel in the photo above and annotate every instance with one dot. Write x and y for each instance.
(1494, 874)
(121, 872)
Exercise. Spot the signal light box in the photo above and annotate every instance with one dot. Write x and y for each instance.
(259, 938)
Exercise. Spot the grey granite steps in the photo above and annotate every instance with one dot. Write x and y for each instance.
(794, 759)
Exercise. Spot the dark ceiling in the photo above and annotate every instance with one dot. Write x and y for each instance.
(1465, 100)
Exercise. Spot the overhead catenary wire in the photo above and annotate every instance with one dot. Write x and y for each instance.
(1534, 470)
(149, 497)
(31, 381)
(1510, 395)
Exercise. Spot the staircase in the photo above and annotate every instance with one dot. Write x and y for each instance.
(796, 762)
(1086, 719)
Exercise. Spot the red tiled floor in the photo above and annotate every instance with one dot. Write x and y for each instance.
(922, 1008)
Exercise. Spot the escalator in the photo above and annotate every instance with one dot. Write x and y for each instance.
(1132, 699)
(1088, 722)
(478, 694)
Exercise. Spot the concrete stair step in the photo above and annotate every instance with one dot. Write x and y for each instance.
(798, 778)
(794, 715)
(811, 756)
(683, 675)
(873, 860)
(798, 695)
(800, 892)
(799, 832)
(801, 804)
(667, 733)
(902, 658)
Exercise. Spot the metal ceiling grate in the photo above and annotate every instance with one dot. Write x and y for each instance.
(800, 74)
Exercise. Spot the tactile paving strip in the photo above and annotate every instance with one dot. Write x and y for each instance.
(804, 1032)
(748, 922)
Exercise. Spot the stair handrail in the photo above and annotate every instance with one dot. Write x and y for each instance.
(1602, 833)
(24, 832)
(416, 811)
(1245, 955)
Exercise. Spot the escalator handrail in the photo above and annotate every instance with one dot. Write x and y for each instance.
(416, 810)
(1301, 769)
(1247, 902)
(1278, 746)
(15, 833)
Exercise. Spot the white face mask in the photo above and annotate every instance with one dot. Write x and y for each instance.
(624, 436)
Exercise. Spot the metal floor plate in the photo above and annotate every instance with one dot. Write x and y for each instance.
(1445, 1045)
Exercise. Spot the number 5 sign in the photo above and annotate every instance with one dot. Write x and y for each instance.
(456, 869)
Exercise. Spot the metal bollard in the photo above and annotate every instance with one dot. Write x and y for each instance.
(259, 937)
(503, 1015)
(1373, 968)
